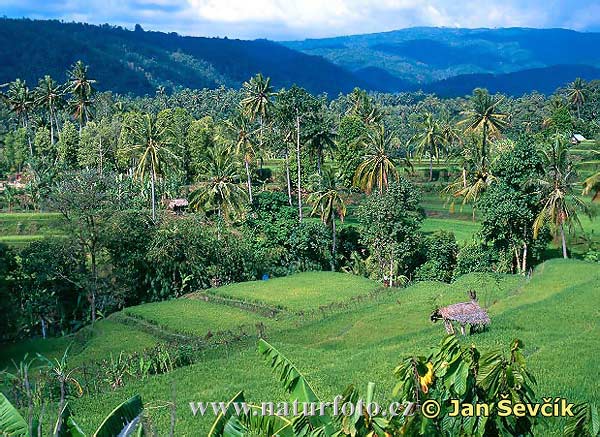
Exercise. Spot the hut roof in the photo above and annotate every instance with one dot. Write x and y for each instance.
(177, 203)
(465, 312)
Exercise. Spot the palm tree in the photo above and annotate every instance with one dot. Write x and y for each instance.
(471, 188)
(219, 191)
(483, 116)
(81, 86)
(576, 93)
(361, 106)
(152, 146)
(327, 202)
(241, 127)
(378, 166)
(429, 140)
(257, 102)
(21, 102)
(49, 94)
(592, 184)
(321, 140)
(559, 204)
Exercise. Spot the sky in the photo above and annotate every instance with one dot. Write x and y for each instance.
(299, 19)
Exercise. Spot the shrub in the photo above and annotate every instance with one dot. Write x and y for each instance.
(473, 257)
(440, 250)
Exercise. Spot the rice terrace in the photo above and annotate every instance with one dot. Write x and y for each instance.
(343, 233)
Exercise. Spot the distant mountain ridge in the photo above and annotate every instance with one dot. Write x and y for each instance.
(138, 62)
(446, 61)
(544, 80)
(424, 55)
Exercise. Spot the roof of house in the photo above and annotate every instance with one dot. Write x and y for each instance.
(466, 312)
(578, 137)
(177, 203)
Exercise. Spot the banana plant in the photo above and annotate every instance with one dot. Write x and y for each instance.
(234, 423)
(123, 421)
(11, 422)
(584, 423)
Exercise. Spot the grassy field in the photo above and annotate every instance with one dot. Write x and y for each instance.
(555, 313)
(300, 292)
(195, 317)
(21, 228)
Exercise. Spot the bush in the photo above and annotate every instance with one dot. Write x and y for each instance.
(473, 257)
(440, 250)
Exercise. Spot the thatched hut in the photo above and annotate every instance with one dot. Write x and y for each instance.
(465, 313)
(177, 206)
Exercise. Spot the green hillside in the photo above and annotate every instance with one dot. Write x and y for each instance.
(555, 313)
(138, 62)
(428, 54)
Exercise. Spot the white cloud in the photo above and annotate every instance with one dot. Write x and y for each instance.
(293, 19)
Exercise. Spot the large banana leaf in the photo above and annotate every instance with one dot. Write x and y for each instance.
(123, 420)
(11, 421)
(249, 424)
(230, 424)
(293, 381)
(297, 386)
(66, 426)
(223, 418)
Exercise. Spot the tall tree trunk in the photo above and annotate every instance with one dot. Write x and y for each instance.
(101, 164)
(61, 402)
(391, 281)
(249, 181)
(51, 127)
(260, 152)
(464, 177)
(319, 160)
(95, 282)
(153, 196)
(430, 168)
(524, 268)
(299, 164)
(25, 125)
(334, 241)
(563, 240)
(287, 175)
(483, 151)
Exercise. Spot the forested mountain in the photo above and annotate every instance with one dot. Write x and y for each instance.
(138, 61)
(423, 55)
(449, 62)
(544, 80)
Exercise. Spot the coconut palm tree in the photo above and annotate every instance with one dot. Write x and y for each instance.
(21, 102)
(576, 93)
(592, 184)
(219, 190)
(559, 203)
(152, 144)
(377, 167)
(327, 203)
(241, 127)
(360, 105)
(257, 102)
(82, 89)
(49, 94)
(429, 140)
(483, 116)
(322, 139)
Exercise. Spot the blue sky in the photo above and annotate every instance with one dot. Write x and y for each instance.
(298, 19)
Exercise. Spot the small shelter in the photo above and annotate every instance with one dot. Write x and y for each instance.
(465, 313)
(577, 138)
(177, 206)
